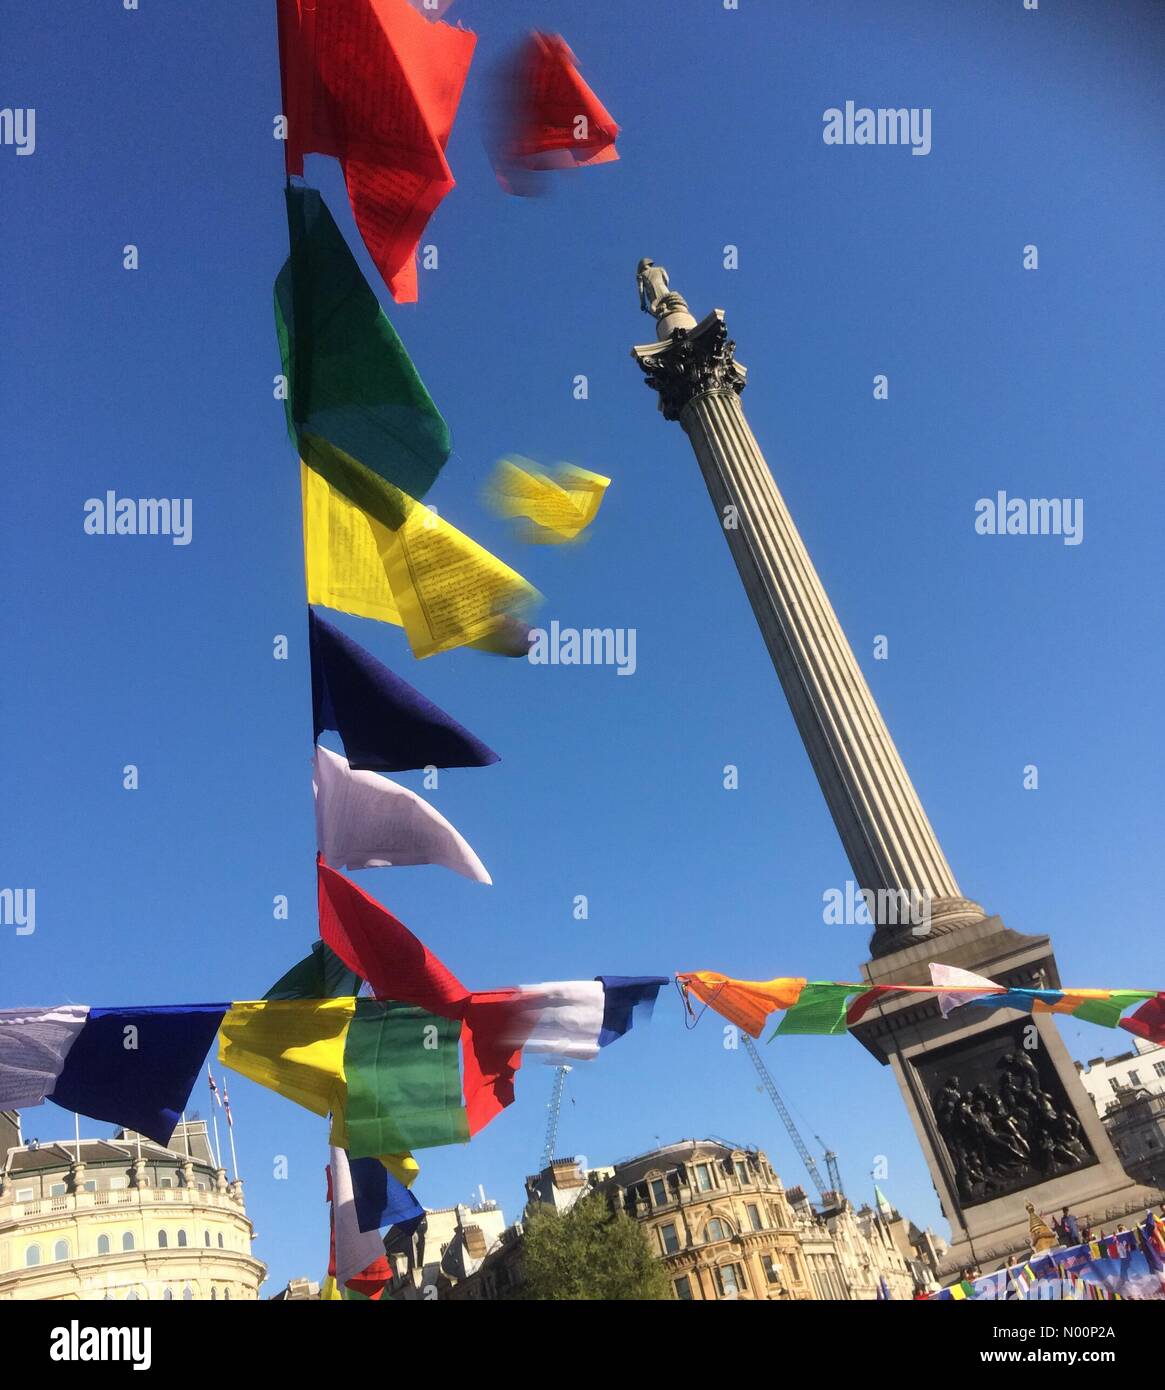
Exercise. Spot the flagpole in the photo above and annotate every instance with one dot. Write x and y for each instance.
(77, 1133)
(231, 1132)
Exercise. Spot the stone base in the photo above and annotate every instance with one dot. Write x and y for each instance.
(907, 1033)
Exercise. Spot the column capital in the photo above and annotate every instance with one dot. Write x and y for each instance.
(691, 362)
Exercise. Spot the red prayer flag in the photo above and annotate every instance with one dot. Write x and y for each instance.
(550, 118)
(370, 941)
(1148, 1021)
(376, 85)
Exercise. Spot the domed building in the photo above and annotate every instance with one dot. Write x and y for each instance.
(122, 1218)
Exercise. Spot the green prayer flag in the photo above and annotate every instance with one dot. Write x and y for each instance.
(350, 381)
(820, 1009)
(404, 1080)
(1107, 1012)
(320, 975)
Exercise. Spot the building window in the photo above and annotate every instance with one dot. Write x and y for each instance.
(659, 1192)
(131, 1297)
(1114, 1083)
(58, 1189)
(90, 1186)
(181, 1237)
(715, 1230)
(32, 1256)
(116, 1184)
(1159, 1068)
(794, 1268)
(206, 1237)
(220, 1244)
(730, 1279)
(24, 1194)
(213, 1294)
(670, 1238)
(226, 1293)
(103, 1245)
(187, 1293)
(742, 1172)
(165, 1182)
(754, 1217)
(1135, 1078)
(168, 1295)
(127, 1241)
(163, 1240)
(703, 1177)
(772, 1269)
(61, 1251)
(683, 1287)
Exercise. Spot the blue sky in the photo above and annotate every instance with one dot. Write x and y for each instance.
(154, 128)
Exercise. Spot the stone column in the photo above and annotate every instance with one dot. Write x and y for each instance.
(890, 844)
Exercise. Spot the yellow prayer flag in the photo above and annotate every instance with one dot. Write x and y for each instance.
(292, 1046)
(555, 511)
(444, 589)
(330, 1291)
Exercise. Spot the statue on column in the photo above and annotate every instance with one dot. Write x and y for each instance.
(656, 297)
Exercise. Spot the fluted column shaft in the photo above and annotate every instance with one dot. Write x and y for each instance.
(885, 832)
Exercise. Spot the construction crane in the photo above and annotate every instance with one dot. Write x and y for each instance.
(794, 1134)
(554, 1108)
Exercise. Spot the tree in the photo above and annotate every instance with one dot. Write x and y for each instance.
(588, 1252)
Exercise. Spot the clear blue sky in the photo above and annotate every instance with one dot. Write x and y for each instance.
(155, 128)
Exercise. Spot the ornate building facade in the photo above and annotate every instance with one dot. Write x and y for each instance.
(123, 1218)
(719, 1219)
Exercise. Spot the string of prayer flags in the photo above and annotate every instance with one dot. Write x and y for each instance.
(34, 1044)
(552, 510)
(364, 821)
(625, 998)
(377, 86)
(547, 117)
(424, 575)
(350, 381)
(1100, 1006)
(136, 1067)
(320, 975)
(384, 724)
(381, 1199)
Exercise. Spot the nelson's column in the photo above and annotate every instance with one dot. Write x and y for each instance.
(1000, 1123)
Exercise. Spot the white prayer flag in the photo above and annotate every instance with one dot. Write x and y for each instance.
(33, 1046)
(365, 821)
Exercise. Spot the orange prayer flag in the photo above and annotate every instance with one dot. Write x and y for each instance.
(747, 1003)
